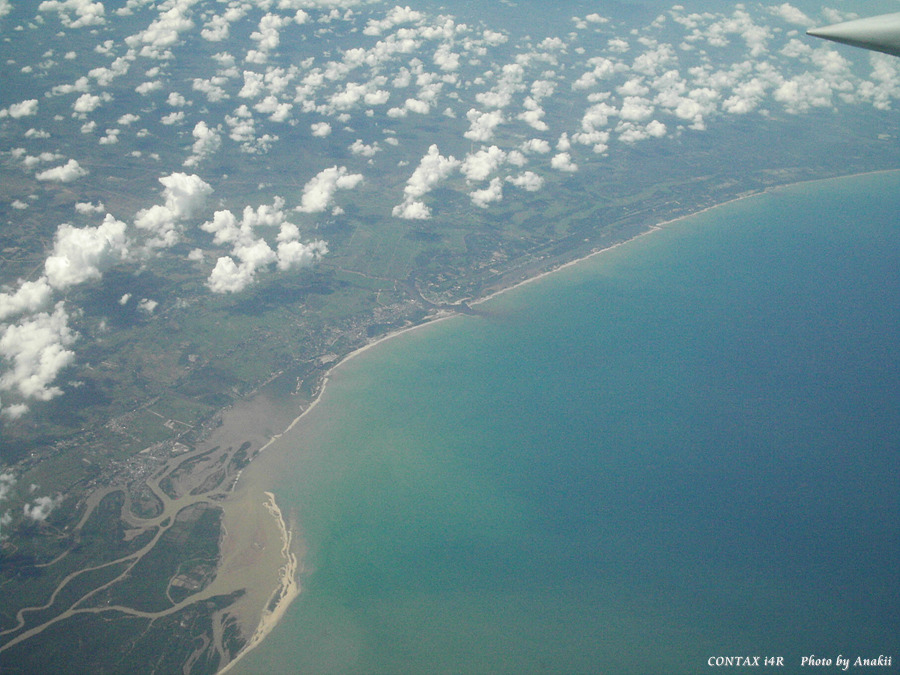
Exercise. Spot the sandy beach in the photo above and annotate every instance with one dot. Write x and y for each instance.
(287, 590)
(287, 558)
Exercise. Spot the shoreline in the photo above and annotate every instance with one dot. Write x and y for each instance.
(289, 587)
(283, 595)
(663, 225)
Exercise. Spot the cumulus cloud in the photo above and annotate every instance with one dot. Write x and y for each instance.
(432, 169)
(884, 85)
(87, 208)
(163, 32)
(320, 129)
(492, 193)
(266, 36)
(22, 109)
(482, 124)
(82, 254)
(318, 193)
(228, 277)
(563, 162)
(528, 180)
(184, 195)
(36, 349)
(479, 165)
(7, 483)
(86, 103)
(39, 510)
(802, 92)
(68, 172)
(395, 17)
(791, 14)
(629, 132)
(538, 145)
(360, 148)
(208, 140)
(297, 254)
(28, 298)
(533, 115)
(85, 12)
(250, 252)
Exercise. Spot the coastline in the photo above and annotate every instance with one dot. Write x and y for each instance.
(663, 225)
(283, 595)
(289, 588)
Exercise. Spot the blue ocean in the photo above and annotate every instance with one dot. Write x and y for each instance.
(683, 448)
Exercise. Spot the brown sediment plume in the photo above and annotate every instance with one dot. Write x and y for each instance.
(284, 594)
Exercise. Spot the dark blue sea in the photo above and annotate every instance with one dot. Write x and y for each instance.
(683, 448)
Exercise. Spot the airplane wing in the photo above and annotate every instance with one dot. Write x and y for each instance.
(878, 33)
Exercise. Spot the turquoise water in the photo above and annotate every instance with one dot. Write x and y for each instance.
(685, 447)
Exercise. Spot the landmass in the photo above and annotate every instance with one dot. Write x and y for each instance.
(186, 544)
(161, 548)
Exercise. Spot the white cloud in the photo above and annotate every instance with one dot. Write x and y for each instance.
(629, 132)
(147, 305)
(320, 129)
(88, 13)
(250, 252)
(635, 109)
(13, 412)
(111, 138)
(432, 169)
(164, 31)
(82, 254)
(445, 59)
(86, 103)
(618, 45)
(208, 140)
(88, 208)
(802, 92)
(66, 173)
(172, 118)
(563, 162)
(211, 87)
(412, 210)
(176, 100)
(482, 124)
(145, 88)
(319, 191)
(7, 483)
(360, 148)
(884, 86)
(492, 193)
(480, 165)
(36, 349)
(28, 298)
(21, 109)
(185, 195)
(538, 145)
(494, 38)
(791, 14)
(398, 15)
(293, 254)
(41, 508)
(528, 180)
(533, 115)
